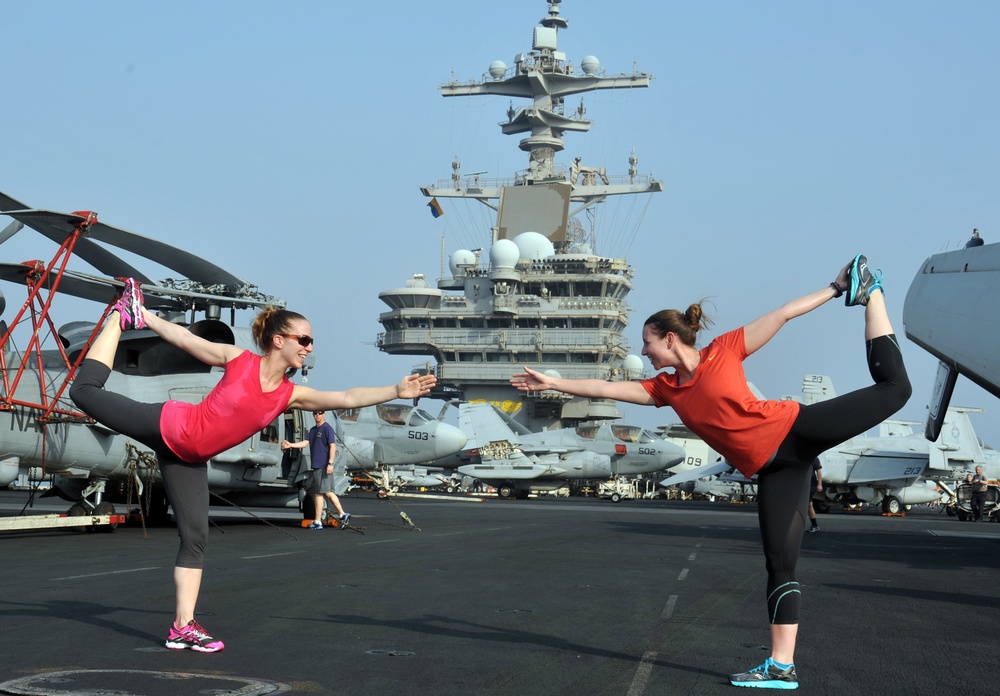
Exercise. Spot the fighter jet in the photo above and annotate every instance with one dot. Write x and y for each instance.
(894, 467)
(519, 462)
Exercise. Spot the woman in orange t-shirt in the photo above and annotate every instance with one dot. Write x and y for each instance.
(776, 440)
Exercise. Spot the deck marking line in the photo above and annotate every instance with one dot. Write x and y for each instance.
(645, 668)
(110, 572)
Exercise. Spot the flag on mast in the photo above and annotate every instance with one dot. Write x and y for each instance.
(435, 208)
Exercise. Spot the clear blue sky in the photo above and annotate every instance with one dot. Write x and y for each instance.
(287, 142)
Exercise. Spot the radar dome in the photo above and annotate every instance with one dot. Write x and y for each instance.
(504, 254)
(462, 257)
(534, 246)
(498, 69)
(590, 65)
(554, 374)
(632, 366)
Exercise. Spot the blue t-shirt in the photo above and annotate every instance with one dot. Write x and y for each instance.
(320, 439)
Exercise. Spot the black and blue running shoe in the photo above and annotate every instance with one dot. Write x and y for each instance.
(859, 282)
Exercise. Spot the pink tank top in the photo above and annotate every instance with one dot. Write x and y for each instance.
(233, 411)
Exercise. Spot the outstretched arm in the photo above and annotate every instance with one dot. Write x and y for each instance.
(761, 330)
(631, 392)
(215, 354)
(410, 387)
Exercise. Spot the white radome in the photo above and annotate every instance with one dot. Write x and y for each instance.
(504, 254)
(498, 69)
(534, 246)
(462, 257)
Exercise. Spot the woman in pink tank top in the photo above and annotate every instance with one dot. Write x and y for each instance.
(251, 394)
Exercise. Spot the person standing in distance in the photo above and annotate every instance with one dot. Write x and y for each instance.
(322, 443)
(978, 499)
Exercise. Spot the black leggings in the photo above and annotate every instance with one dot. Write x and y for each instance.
(783, 483)
(186, 484)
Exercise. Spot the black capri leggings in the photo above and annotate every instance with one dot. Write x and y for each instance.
(186, 484)
(783, 484)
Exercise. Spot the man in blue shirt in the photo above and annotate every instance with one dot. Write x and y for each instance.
(322, 442)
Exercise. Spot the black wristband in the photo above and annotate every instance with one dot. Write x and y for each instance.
(837, 290)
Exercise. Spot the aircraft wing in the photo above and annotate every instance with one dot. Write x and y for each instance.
(695, 474)
(939, 318)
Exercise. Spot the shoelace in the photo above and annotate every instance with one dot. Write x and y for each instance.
(199, 632)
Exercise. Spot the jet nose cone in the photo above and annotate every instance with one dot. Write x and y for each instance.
(448, 440)
(672, 455)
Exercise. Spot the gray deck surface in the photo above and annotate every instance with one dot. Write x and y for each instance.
(549, 596)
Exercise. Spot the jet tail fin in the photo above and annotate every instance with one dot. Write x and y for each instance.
(817, 388)
(482, 424)
(957, 439)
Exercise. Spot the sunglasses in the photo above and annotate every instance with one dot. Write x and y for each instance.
(304, 340)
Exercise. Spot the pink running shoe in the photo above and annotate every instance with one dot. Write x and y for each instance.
(129, 306)
(192, 637)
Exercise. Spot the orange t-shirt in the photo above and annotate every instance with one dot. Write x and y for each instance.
(719, 407)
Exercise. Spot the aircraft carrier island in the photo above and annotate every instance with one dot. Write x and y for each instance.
(540, 295)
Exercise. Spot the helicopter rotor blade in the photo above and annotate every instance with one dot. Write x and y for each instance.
(10, 230)
(57, 226)
(84, 286)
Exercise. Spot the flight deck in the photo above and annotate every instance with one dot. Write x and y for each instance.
(547, 596)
